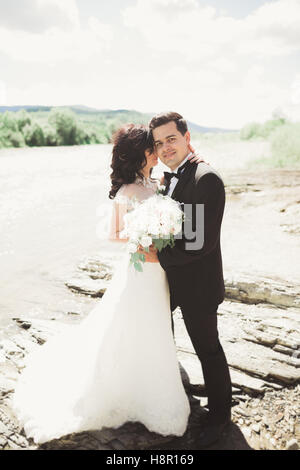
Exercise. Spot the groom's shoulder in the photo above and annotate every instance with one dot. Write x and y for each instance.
(204, 169)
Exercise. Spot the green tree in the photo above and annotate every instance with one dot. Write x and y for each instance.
(250, 131)
(34, 135)
(285, 145)
(17, 139)
(65, 123)
(23, 119)
(9, 121)
(49, 135)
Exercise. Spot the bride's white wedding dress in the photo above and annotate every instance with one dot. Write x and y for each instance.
(119, 364)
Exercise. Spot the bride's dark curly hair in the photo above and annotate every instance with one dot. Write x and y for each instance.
(128, 155)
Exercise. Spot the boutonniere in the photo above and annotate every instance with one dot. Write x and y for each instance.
(161, 189)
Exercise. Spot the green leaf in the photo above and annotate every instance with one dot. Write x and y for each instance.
(135, 257)
(158, 243)
(138, 267)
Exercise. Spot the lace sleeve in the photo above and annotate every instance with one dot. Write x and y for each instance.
(123, 202)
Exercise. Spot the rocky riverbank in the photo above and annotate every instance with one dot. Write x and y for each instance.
(258, 328)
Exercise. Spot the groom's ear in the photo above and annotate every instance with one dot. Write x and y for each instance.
(187, 136)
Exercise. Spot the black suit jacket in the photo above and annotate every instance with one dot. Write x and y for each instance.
(196, 276)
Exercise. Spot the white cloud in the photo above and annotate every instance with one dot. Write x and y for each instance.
(39, 15)
(215, 62)
(198, 32)
(273, 29)
(48, 32)
(56, 45)
(100, 30)
(166, 27)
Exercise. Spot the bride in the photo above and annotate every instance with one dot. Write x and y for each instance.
(119, 364)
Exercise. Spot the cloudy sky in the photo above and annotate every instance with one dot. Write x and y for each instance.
(218, 62)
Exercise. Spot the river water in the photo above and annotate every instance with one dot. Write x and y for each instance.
(48, 218)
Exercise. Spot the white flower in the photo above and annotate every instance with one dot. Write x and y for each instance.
(146, 241)
(154, 218)
(132, 247)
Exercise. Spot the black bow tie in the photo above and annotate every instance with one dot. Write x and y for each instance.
(168, 176)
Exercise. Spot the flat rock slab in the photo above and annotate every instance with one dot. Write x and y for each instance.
(93, 274)
(264, 179)
(240, 328)
(258, 289)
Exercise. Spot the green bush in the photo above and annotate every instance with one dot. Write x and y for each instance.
(285, 145)
(9, 121)
(65, 124)
(270, 126)
(23, 119)
(256, 130)
(34, 135)
(17, 139)
(50, 137)
(5, 139)
(10, 136)
(250, 131)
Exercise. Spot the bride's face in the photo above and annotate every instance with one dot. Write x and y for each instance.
(152, 158)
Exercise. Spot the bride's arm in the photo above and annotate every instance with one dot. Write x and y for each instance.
(123, 202)
(117, 224)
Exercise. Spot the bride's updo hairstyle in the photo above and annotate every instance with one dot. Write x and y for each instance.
(128, 155)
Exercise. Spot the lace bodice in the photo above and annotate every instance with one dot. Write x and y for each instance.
(126, 198)
(141, 189)
(151, 183)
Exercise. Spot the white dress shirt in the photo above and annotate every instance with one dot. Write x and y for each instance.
(174, 180)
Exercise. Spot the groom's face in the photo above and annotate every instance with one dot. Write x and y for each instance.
(170, 145)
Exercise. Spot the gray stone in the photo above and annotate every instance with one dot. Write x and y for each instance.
(116, 444)
(256, 428)
(256, 288)
(93, 274)
(4, 430)
(94, 288)
(3, 441)
(12, 445)
(292, 445)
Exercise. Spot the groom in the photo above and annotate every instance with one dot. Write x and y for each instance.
(195, 273)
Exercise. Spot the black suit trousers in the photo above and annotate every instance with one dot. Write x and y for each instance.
(201, 325)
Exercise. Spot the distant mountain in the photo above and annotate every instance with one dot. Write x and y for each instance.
(30, 109)
(196, 128)
(110, 114)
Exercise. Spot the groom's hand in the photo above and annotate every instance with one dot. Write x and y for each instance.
(195, 158)
(150, 257)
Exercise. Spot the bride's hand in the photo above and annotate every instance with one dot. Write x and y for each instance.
(195, 158)
(150, 257)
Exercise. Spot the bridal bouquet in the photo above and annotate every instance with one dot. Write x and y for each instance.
(154, 221)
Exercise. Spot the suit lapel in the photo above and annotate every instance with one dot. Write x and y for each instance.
(183, 181)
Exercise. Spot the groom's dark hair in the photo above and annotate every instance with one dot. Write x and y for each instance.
(165, 118)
